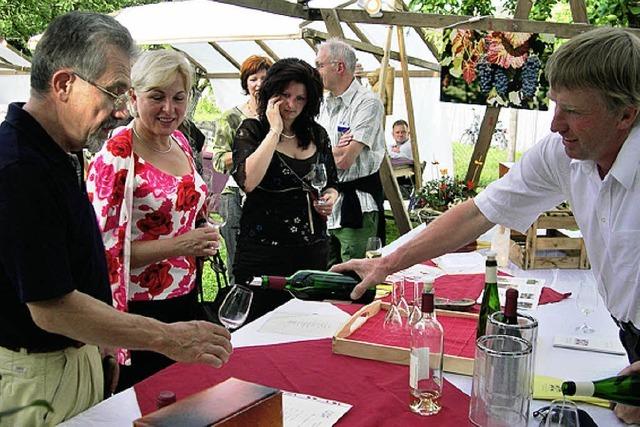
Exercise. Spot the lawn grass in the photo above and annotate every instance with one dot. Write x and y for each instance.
(462, 154)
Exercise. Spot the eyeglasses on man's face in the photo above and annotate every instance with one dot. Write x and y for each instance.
(324, 64)
(119, 101)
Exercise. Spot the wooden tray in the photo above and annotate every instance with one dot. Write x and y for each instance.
(343, 344)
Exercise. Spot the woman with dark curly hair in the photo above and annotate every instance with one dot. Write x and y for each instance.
(283, 224)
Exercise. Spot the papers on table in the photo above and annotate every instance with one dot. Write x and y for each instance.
(529, 291)
(461, 263)
(584, 343)
(310, 325)
(252, 334)
(302, 410)
(419, 270)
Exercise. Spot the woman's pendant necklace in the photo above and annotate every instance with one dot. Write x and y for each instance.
(149, 146)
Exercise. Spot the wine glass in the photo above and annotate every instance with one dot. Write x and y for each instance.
(216, 211)
(587, 302)
(417, 286)
(235, 307)
(562, 413)
(319, 179)
(393, 319)
(374, 247)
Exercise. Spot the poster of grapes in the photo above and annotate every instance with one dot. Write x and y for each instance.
(497, 69)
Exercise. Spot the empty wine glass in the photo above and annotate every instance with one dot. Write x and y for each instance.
(374, 248)
(216, 211)
(587, 302)
(562, 413)
(393, 319)
(403, 306)
(319, 179)
(235, 307)
(416, 286)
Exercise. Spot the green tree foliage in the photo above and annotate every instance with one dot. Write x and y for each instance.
(22, 19)
(625, 13)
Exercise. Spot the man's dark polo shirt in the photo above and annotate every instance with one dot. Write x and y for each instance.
(50, 243)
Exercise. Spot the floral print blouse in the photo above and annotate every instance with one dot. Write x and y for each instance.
(135, 201)
(279, 211)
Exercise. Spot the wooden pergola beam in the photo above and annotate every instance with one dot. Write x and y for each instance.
(398, 73)
(267, 50)
(425, 20)
(225, 54)
(370, 48)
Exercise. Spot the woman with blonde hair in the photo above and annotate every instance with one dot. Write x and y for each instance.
(147, 197)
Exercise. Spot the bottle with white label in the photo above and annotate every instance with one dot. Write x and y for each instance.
(426, 359)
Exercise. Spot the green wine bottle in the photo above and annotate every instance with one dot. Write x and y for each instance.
(490, 300)
(315, 285)
(622, 389)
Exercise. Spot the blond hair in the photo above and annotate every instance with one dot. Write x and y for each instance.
(604, 59)
(156, 69)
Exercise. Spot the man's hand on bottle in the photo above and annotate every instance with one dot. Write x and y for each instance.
(370, 270)
(629, 414)
(197, 342)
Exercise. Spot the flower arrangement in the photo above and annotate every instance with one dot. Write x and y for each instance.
(438, 195)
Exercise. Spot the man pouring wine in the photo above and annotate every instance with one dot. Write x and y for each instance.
(591, 160)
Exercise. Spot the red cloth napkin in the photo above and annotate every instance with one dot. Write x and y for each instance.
(458, 286)
(378, 391)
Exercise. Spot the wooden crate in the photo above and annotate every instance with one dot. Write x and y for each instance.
(553, 249)
(342, 344)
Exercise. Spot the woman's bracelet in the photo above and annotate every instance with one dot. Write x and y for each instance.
(277, 134)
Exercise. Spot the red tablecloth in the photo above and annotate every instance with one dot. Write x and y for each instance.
(378, 391)
(459, 286)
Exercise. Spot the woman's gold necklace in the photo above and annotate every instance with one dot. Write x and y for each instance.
(293, 135)
(149, 146)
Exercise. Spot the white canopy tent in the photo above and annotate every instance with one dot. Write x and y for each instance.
(217, 37)
(14, 76)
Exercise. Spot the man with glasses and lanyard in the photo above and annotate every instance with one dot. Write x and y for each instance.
(55, 300)
(352, 116)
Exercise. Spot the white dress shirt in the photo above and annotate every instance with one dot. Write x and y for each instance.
(359, 109)
(404, 152)
(605, 210)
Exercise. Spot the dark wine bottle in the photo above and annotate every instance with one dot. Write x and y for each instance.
(622, 389)
(490, 300)
(511, 307)
(315, 285)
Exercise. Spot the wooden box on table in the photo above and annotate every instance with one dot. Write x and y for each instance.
(232, 403)
(347, 342)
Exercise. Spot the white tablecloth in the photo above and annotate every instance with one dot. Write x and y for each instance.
(554, 319)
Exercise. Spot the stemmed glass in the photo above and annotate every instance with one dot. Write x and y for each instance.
(319, 179)
(562, 413)
(235, 307)
(374, 247)
(393, 319)
(587, 302)
(417, 286)
(216, 211)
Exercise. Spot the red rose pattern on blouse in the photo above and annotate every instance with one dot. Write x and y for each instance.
(164, 206)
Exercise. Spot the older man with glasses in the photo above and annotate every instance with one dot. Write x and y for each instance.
(352, 116)
(55, 300)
